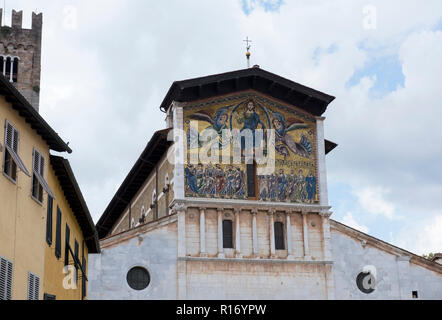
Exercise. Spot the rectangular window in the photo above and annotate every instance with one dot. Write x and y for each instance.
(66, 243)
(227, 234)
(5, 279)
(12, 160)
(49, 221)
(38, 182)
(58, 235)
(279, 236)
(251, 180)
(38, 169)
(33, 286)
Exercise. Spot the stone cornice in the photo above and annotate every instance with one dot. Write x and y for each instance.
(253, 205)
(249, 260)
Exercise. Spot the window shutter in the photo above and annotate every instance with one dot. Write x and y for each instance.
(5, 279)
(227, 234)
(66, 251)
(42, 165)
(58, 235)
(49, 221)
(9, 134)
(36, 161)
(33, 286)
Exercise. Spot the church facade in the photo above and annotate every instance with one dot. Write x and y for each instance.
(230, 201)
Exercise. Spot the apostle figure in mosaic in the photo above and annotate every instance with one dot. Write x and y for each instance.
(311, 187)
(282, 185)
(301, 190)
(209, 175)
(263, 187)
(291, 184)
(220, 180)
(239, 183)
(191, 181)
(273, 187)
(230, 182)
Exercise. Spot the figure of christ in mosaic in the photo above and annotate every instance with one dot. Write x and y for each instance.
(250, 120)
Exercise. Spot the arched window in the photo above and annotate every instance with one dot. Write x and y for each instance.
(7, 68)
(227, 234)
(279, 236)
(15, 70)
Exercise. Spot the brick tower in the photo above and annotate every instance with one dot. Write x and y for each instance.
(20, 55)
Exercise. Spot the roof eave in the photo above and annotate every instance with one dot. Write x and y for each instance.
(26, 110)
(91, 236)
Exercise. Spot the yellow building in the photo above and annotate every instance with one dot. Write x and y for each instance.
(32, 255)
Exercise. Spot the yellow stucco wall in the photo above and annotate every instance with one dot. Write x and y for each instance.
(54, 275)
(22, 219)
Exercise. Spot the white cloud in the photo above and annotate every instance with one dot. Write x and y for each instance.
(372, 200)
(422, 237)
(351, 222)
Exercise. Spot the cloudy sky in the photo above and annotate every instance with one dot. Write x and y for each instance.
(106, 66)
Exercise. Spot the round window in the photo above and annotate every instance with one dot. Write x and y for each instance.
(366, 282)
(138, 278)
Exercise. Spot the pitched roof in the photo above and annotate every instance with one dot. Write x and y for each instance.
(142, 168)
(268, 83)
(35, 120)
(73, 194)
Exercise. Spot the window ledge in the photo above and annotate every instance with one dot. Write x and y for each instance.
(10, 178)
(36, 200)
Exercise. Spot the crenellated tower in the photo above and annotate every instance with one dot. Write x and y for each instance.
(20, 55)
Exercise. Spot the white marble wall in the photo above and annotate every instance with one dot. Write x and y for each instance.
(156, 252)
(396, 277)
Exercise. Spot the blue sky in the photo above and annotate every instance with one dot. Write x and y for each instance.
(268, 5)
(383, 65)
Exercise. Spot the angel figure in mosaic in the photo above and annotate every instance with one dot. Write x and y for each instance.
(284, 143)
(217, 124)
